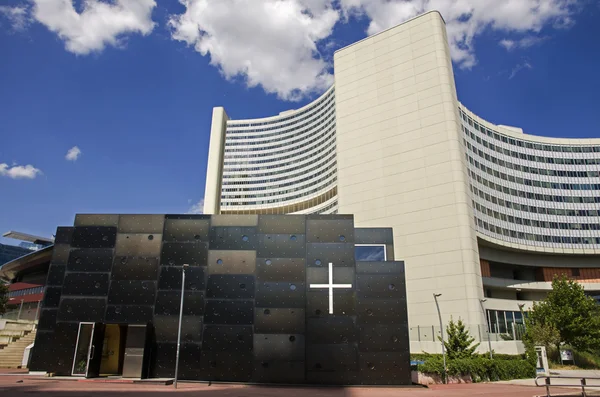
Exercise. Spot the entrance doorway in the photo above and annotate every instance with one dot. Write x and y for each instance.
(100, 350)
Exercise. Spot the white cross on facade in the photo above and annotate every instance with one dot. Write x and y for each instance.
(330, 286)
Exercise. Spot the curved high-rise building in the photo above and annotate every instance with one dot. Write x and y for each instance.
(483, 214)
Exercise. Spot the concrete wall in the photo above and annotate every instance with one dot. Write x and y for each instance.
(214, 171)
(401, 163)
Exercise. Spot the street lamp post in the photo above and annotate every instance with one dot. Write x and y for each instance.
(435, 296)
(179, 327)
(488, 328)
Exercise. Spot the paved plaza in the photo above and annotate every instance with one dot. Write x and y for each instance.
(15, 385)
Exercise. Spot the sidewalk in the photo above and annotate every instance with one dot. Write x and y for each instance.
(21, 386)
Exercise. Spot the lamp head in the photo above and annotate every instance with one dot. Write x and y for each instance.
(482, 300)
(437, 295)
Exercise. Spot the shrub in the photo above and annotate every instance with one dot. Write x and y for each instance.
(481, 369)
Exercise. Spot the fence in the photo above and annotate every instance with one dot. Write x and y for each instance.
(25, 311)
(431, 333)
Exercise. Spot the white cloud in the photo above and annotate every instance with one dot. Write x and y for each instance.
(17, 16)
(99, 23)
(197, 208)
(518, 68)
(271, 43)
(73, 154)
(465, 19)
(19, 171)
(525, 42)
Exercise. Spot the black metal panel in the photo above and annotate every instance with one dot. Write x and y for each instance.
(90, 260)
(224, 366)
(170, 278)
(331, 330)
(268, 320)
(225, 338)
(321, 254)
(138, 244)
(56, 274)
(249, 313)
(317, 302)
(230, 286)
(60, 253)
(276, 224)
(233, 238)
(280, 294)
(132, 292)
(289, 372)
(385, 368)
(150, 224)
(381, 311)
(330, 231)
(94, 237)
(231, 262)
(135, 268)
(165, 328)
(279, 347)
(231, 312)
(336, 358)
(178, 254)
(51, 297)
(47, 320)
(187, 228)
(82, 309)
(129, 314)
(168, 302)
(281, 245)
(280, 269)
(63, 235)
(387, 286)
(383, 337)
(85, 284)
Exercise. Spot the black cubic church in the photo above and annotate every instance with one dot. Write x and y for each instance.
(267, 298)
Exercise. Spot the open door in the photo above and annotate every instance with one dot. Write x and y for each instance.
(88, 350)
(93, 370)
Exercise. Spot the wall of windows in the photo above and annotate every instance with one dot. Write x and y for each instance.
(281, 161)
(532, 193)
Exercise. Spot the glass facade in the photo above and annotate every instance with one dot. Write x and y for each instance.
(10, 252)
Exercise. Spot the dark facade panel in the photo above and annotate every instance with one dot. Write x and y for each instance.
(256, 300)
(135, 268)
(94, 237)
(90, 260)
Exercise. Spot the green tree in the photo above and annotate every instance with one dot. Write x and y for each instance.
(459, 343)
(3, 297)
(566, 316)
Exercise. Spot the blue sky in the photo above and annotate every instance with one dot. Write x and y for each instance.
(133, 87)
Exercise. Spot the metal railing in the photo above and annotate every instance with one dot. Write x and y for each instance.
(582, 383)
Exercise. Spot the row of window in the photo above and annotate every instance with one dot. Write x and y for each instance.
(529, 157)
(281, 133)
(26, 291)
(305, 194)
(327, 208)
(531, 195)
(301, 133)
(249, 179)
(275, 187)
(501, 321)
(533, 222)
(288, 145)
(328, 99)
(532, 170)
(278, 193)
(536, 237)
(325, 136)
(533, 209)
(280, 165)
(526, 144)
(530, 182)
